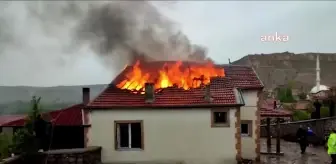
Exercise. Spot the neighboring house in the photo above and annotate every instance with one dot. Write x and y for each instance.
(215, 124)
(68, 125)
(5, 119)
(269, 104)
(275, 108)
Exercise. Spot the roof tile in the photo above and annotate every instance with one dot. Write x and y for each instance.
(221, 88)
(70, 116)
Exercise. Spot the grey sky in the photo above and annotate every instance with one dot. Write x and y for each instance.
(228, 29)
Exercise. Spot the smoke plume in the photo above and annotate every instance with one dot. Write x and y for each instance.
(125, 30)
(51, 36)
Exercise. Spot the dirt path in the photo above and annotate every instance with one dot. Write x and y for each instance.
(314, 155)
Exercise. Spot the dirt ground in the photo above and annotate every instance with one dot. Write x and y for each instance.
(314, 155)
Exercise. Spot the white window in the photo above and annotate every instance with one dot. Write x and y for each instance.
(129, 135)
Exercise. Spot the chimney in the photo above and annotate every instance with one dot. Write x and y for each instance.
(274, 104)
(207, 95)
(86, 95)
(149, 92)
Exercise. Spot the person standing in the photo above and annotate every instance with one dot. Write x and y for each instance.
(317, 106)
(301, 136)
(332, 146)
(311, 135)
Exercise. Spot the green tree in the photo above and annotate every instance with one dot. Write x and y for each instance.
(299, 115)
(24, 141)
(285, 95)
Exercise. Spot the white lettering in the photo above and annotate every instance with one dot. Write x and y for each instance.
(274, 38)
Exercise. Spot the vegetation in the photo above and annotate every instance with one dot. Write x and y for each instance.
(324, 111)
(299, 115)
(24, 141)
(285, 95)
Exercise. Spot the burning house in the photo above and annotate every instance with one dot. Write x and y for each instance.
(179, 112)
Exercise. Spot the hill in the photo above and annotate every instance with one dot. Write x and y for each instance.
(15, 99)
(273, 69)
(299, 69)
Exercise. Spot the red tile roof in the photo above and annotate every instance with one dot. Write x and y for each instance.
(222, 90)
(274, 113)
(267, 109)
(4, 119)
(70, 116)
(269, 104)
(243, 77)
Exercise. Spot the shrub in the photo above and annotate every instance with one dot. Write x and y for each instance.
(324, 111)
(24, 140)
(285, 95)
(299, 115)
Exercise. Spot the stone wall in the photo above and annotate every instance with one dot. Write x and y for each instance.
(319, 126)
(90, 155)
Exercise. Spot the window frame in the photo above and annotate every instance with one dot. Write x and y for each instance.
(249, 126)
(227, 111)
(116, 144)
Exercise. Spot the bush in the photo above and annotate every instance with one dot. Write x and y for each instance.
(6, 141)
(285, 95)
(24, 140)
(324, 112)
(299, 115)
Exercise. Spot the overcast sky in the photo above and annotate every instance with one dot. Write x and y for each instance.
(228, 29)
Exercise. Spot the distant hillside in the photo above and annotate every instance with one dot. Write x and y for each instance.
(281, 68)
(58, 94)
(273, 69)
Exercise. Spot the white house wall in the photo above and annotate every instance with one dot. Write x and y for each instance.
(169, 135)
(248, 112)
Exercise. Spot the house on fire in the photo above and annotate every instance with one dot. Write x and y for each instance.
(177, 112)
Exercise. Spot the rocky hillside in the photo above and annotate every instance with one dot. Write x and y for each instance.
(299, 69)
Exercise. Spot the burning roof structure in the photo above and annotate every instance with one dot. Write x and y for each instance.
(177, 84)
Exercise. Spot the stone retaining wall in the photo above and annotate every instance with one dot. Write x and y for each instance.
(90, 155)
(319, 126)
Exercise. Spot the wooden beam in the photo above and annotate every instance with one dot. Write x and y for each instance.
(278, 136)
(268, 127)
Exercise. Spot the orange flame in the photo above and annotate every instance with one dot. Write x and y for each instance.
(192, 77)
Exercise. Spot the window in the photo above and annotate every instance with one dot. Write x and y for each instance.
(220, 118)
(129, 135)
(246, 128)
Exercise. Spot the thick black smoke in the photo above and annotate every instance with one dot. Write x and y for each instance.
(47, 39)
(124, 30)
